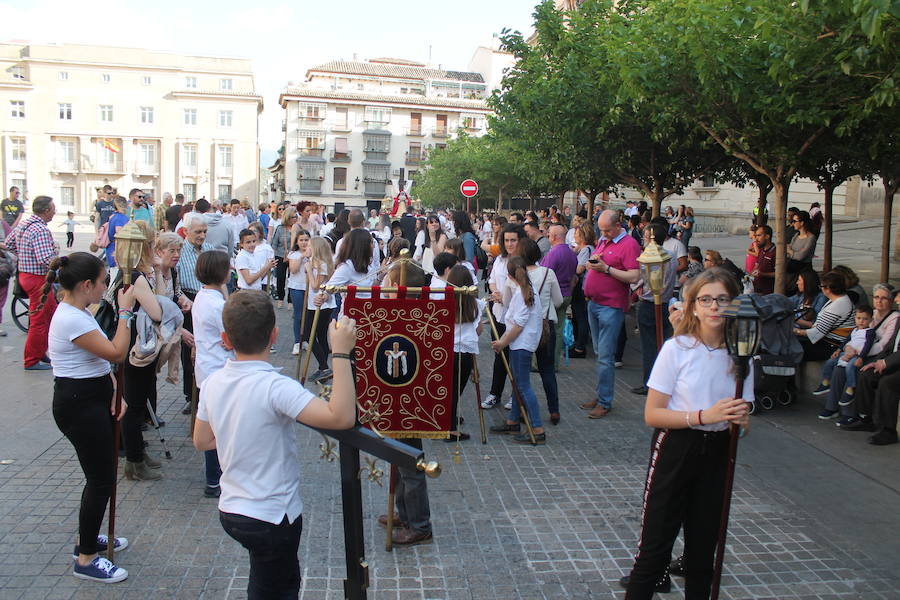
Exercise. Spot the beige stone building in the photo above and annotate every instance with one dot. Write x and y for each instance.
(74, 118)
(352, 125)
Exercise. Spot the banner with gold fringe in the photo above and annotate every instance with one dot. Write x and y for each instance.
(404, 362)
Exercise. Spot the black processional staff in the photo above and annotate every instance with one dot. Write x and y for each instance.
(129, 245)
(742, 337)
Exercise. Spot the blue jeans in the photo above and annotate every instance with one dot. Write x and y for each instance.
(298, 301)
(606, 323)
(274, 567)
(213, 470)
(646, 316)
(828, 368)
(851, 372)
(544, 357)
(520, 365)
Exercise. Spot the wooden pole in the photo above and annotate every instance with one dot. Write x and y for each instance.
(392, 487)
(512, 381)
(657, 305)
(117, 433)
(476, 379)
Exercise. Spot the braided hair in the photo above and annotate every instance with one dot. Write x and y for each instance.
(69, 271)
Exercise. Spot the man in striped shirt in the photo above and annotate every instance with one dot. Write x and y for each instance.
(194, 244)
(33, 243)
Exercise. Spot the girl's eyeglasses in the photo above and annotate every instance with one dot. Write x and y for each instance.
(707, 301)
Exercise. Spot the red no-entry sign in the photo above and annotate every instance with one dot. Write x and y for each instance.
(468, 188)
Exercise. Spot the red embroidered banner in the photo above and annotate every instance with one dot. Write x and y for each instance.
(404, 363)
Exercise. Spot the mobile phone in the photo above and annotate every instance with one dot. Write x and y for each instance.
(593, 261)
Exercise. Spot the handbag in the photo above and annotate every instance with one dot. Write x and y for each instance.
(106, 314)
(545, 322)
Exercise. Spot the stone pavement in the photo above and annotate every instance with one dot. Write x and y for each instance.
(814, 512)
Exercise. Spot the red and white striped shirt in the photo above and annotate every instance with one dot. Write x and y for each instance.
(33, 243)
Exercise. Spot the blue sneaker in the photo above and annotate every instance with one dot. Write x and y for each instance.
(100, 570)
(828, 414)
(102, 545)
(39, 366)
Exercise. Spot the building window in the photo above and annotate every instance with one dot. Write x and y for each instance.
(18, 151)
(224, 193)
(377, 116)
(225, 156)
(340, 118)
(17, 72)
(190, 156)
(190, 192)
(226, 84)
(65, 111)
(67, 196)
(17, 109)
(340, 179)
(107, 155)
(414, 154)
(147, 115)
(709, 181)
(471, 121)
(312, 112)
(148, 154)
(105, 77)
(145, 80)
(66, 153)
(225, 118)
(377, 143)
(63, 76)
(190, 116)
(190, 83)
(310, 140)
(106, 113)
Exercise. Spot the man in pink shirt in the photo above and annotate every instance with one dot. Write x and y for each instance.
(611, 268)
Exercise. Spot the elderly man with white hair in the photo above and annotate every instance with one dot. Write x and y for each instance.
(195, 228)
(612, 267)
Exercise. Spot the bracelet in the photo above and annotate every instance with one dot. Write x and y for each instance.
(341, 355)
(700, 416)
(687, 419)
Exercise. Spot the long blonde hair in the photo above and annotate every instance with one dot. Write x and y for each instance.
(690, 324)
(321, 257)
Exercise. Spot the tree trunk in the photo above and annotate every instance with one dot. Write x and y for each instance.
(590, 203)
(499, 199)
(656, 197)
(828, 224)
(761, 204)
(781, 187)
(604, 199)
(890, 188)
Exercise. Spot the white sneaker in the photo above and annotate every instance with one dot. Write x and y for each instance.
(273, 350)
(296, 350)
(489, 402)
(508, 404)
(619, 364)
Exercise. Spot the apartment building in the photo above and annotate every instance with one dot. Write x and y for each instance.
(352, 125)
(76, 117)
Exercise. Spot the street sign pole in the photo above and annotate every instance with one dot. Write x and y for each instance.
(468, 188)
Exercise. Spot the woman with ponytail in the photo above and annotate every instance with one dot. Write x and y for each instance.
(83, 397)
(522, 318)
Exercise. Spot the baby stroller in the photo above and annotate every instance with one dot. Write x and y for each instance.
(780, 353)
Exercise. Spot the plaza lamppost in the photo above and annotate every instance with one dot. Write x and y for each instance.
(129, 248)
(743, 326)
(653, 268)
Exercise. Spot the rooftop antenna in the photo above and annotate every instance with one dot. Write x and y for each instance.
(429, 54)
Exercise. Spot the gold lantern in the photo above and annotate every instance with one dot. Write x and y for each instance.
(653, 267)
(129, 247)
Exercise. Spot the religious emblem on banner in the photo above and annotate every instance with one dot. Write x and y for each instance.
(404, 363)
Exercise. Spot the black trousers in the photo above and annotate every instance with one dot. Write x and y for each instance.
(462, 370)
(281, 266)
(187, 365)
(685, 484)
(581, 329)
(274, 567)
(498, 376)
(81, 411)
(139, 387)
(878, 396)
(70, 239)
(320, 346)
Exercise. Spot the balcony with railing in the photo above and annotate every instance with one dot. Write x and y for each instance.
(340, 126)
(341, 156)
(307, 151)
(224, 171)
(62, 165)
(189, 170)
(379, 124)
(312, 120)
(375, 188)
(414, 158)
(146, 169)
(440, 131)
(311, 185)
(415, 131)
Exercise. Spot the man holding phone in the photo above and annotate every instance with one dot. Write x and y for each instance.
(611, 269)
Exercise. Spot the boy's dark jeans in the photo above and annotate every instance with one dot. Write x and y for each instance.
(274, 566)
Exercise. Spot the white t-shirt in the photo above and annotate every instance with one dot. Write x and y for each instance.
(253, 263)
(264, 248)
(296, 281)
(682, 371)
(207, 315)
(529, 318)
(465, 336)
(570, 238)
(374, 264)
(675, 247)
(252, 411)
(437, 284)
(238, 223)
(329, 302)
(497, 280)
(69, 360)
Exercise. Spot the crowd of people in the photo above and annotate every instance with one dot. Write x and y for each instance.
(204, 295)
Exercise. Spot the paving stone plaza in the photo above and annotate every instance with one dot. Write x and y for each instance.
(510, 521)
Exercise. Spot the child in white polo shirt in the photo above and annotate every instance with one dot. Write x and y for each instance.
(252, 266)
(247, 411)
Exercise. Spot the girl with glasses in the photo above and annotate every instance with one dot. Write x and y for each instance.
(690, 413)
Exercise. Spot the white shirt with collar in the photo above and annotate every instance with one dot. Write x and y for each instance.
(252, 410)
(207, 317)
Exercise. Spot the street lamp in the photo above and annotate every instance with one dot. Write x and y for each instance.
(653, 267)
(743, 326)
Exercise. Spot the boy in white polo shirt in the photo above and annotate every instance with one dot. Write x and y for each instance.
(246, 412)
(252, 266)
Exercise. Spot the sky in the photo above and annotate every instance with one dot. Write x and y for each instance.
(283, 39)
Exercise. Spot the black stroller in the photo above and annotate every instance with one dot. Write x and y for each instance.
(775, 367)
